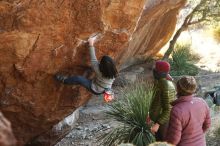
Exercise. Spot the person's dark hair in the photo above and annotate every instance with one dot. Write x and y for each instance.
(107, 67)
(159, 75)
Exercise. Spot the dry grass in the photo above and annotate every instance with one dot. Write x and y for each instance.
(183, 61)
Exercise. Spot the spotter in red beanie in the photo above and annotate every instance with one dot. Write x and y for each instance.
(162, 67)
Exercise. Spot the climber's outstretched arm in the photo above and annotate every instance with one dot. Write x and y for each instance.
(93, 58)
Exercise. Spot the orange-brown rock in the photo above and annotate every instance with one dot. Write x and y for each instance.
(39, 38)
(6, 135)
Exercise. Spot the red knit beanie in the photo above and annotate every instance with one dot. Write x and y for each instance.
(162, 67)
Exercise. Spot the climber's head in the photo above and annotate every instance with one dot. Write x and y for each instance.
(107, 67)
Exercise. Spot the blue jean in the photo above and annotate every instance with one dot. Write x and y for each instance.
(80, 80)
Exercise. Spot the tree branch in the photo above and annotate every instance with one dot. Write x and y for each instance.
(198, 21)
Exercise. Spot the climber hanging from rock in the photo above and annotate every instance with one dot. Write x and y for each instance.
(105, 74)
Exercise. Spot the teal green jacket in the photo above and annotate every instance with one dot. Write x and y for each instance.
(160, 108)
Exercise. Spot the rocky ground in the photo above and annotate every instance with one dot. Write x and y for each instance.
(93, 122)
(213, 136)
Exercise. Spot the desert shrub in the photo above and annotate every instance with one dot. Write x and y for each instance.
(183, 61)
(131, 110)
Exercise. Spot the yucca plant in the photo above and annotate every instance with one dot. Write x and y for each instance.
(131, 109)
(183, 61)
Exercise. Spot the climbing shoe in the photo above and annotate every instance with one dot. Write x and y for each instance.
(60, 78)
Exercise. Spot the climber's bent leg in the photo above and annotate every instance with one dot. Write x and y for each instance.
(78, 80)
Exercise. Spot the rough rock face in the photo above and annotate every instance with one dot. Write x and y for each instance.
(6, 136)
(39, 38)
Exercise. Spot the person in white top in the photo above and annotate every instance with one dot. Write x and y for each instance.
(105, 73)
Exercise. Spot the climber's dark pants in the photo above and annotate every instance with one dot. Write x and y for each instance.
(161, 133)
(80, 80)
